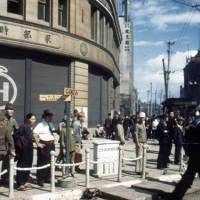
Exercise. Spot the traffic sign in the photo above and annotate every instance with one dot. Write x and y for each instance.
(70, 91)
(54, 97)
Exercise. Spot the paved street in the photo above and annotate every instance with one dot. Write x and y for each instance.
(131, 187)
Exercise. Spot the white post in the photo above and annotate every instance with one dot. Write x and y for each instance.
(87, 168)
(144, 154)
(120, 164)
(52, 171)
(11, 178)
(181, 161)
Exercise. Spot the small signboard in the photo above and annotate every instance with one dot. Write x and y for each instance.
(70, 91)
(54, 97)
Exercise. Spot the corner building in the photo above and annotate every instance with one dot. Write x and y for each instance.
(47, 45)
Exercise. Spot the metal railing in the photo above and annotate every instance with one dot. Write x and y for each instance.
(87, 163)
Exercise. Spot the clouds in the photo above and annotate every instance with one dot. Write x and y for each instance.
(144, 43)
(161, 14)
(152, 71)
(163, 21)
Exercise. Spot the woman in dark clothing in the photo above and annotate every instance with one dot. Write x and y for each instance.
(164, 143)
(24, 148)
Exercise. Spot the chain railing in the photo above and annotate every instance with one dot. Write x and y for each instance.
(87, 163)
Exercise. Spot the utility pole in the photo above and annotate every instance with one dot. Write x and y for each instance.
(148, 92)
(155, 102)
(150, 99)
(167, 71)
(169, 44)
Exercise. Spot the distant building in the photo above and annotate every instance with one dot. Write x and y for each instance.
(127, 91)
(191, 88)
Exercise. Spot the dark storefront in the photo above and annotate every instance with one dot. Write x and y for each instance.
(34, 73)
(98, 97)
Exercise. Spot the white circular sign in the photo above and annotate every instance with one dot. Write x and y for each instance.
(6, 87)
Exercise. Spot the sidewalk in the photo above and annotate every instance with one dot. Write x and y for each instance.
(131, 187)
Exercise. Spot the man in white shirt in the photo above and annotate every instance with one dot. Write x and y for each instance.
(44, 137)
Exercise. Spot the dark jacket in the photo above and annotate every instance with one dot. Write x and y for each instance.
(162, 133)
(178, 135)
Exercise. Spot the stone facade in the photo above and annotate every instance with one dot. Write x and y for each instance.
(36, 28)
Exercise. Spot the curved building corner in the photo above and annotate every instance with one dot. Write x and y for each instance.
(48, 45)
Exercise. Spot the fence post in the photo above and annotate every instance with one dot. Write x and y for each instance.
(87, 168)
(52, 171)
(181, 161)
(11, 178)
(120, 164)
(144, 155)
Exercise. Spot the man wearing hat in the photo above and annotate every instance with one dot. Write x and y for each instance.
(11, 125)
(10, 122)
(44, 138)
(140, 138)
(7, 147)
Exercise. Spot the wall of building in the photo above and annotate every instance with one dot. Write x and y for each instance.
(72, 41)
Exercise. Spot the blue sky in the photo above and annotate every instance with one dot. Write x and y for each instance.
(155, 22)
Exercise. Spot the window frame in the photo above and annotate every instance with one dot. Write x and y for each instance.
(46, 13)
(21, 7)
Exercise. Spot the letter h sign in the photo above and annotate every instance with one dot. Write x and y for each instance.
(5, 91)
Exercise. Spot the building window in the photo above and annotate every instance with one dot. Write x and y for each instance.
(15, 6)
(94, 24)
(44, 10)
(62, 13)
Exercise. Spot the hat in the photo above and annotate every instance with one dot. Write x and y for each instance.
(9, 106)
(46, 113)
(142, 115)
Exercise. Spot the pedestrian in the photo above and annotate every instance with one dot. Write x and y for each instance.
(44, 138)
(171, 123)
(12, 126)
(120, 131)
(78, 128)
(192, 140)
(126, 125)
(7, 147)
(24, 149)
(63, 146)
(163, 137)
(178, 139)
(108, 126)
(114, 124)
(140, 139)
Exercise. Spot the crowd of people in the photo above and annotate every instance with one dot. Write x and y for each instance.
(18, 141)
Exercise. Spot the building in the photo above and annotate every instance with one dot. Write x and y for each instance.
(192, 79)
(127, 91)
(49, 45)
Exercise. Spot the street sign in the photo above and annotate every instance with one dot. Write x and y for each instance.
(70, 91)
(54, 97)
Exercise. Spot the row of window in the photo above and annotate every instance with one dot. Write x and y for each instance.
(44, 6)
(101, 29)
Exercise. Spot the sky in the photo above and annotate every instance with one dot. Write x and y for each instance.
(155, 23)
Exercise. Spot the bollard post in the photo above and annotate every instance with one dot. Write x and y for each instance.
(52, 171)
(144, 155)
(120, 164)
(11, 178)
(181, 161)
(87, 168)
